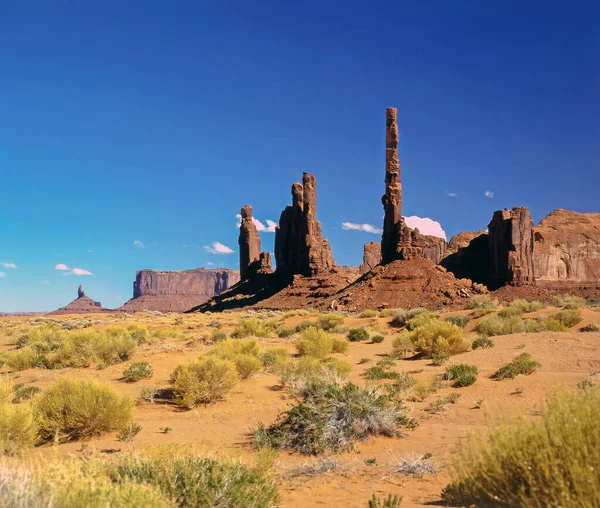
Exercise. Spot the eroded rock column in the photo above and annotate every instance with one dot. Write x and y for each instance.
(249, 243)
(392, 199)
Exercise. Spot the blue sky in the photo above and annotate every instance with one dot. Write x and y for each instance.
(156, 121)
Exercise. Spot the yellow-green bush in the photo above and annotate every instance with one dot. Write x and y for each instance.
(552, 462)
(247, 365)
(421, 320)
(482, 302)
(339, 344)
(6, 390)
(330, 321)
(315, 343)
(251, 328)
(203, 381)
(434, 338)
(276, 358)
(17, 428)
(72, 409)
(497, 325)
(569, 301)
(525, 305)
(568, 317)
(244, 353)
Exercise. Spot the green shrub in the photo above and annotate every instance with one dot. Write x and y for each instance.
(544, 324)
(25, 393)
(590, 327)
(391, 501)
(568, 301)
(462, 374)
(358, 334)
(434, 338)
(568, 317)
(526, 306)
(510, 311)
(402, 345)
(73, 409)
(482, 343)
(378, 372)
(338, 366)
(339, 345)
(139, 333)
(522, 364)
(369, 313)
(328, 322)
(459, 320)
(315, 343)
(482, 302)
(137, 371)
(247, 365)
(496, 325)
(332, 417)
(304, 325)
(284, 332)
(204, 381)
(401, 317)
(401, 383)
(276, 358)
(250, 328)
(377, 339)
(440, 359)
(552, 462)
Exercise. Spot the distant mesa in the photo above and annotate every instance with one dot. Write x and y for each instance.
(81, 305)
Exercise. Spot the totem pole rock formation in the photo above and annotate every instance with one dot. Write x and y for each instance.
(249, 242)
(392, 199)
(80, 292)
(371, 257)
(511, 247)
(299, 244)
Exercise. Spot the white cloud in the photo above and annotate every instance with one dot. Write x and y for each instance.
(366, 228)
(9, 265)
(47, 282)
(218, 248)
(80, 271)
(138, 243)
(61, 267)
(269, 228)
(2, 274)
(426, 226)
(451, 194)
(210, 263)
(489, 194)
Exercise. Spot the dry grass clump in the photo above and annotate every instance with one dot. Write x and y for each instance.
(245, 354)
(251, 328)
(17, 426)
(459, 320)
(137, 371)
(526, 306)
(482, 343)
(204, 381)
(308, 370)
(72, 409)
(552, 462)
(319, 344)
(544, 324)
(421, 320)
(401, 317)
(522, 364)
(482, 302)
(568, 301)
(498, 325)
(568, 317)
(275, 358)
(358, 334)
(332, 417)
(330, 321)
(369, 313)
(432, 338)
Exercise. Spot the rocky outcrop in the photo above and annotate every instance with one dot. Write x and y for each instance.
(371, 257)
(392, 199)
(511, 247)
(567, 247)
(249, 243)
(81, 305)
(468, 256)
(427, 246)
(177, 291)
(299, 244)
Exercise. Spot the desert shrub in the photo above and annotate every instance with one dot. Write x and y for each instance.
(332, 417)
(369, 313)
(309, 370)
(544, 324)
(328, 322)
(442, 404)
(477, 313)
(461, 321)
(339, 345)
(552, 462)
(435, 337)
(526, 306)
(148, 393)
(568, 301)
(167, 332)
(440, 359)
(230, 349)
(482, 302)
(139, 333)
(218, 336)
(25, 393)
(283, 332)
(522, 364)
(401, 383)
(510, 311)
(391, 501)
(462, 374)
(377, 372)
(402, 345)
(568, 317)
(275, 358)
(401, 316)
(18, 429)
(482, 343)
(497, 325)
(338, 366)
(358, 334)
(137, 371)
(250, 328)
(315, 343)
(203, 381)
(387, 312)
(304, 325)
(247, 365)
(26, 358)
(377, 339)
(6, 390)
(422, 319)
(190, 481)
(72, 409)
(590, 327)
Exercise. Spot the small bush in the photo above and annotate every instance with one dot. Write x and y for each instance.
(276, 358)
(339, 345)
(250, 328)
(369, 313)
(402, 317)
(315, 343)
(482, 302)
(544, 324)
(522, 364)
(552, 462)
(510, 311)
(72, 409)
(440, 359)
(204, 381)
(332, 417)
(18, 429)
(25, 393)
(401, 383)
(137, 371)
(482, 343)
(568, 317)
(247, 365)
(358, 334)
(568, 301)
(421, 320)
(461, 321)
(378, 372)
(391, 501)
(525, 306)
(435, 337)
(218, 336)
(462, 374)
(284, 332)
(496, 325)
(339, 367)
(402, 345)
(377, 339)
(328, 322)
(442, 404)
(591, 327)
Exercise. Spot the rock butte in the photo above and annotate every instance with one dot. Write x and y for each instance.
(81, 305)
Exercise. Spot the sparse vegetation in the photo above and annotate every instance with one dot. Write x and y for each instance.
(358, 334)
(442, 404)
(462, 374)
(497, 325)
(568, 301)
(482, 302)
(440, 359)
(459, 320)
(377, 339)
(482, 343)
(568, 317)
(415, 465)
(552, 462)
(328, 322)
(522, 364)
(369, 313)
(590, 327)
(318, 343)
(250, 328)
(391, 501)
(433, 338)
(137, 371)
(402, 317)
(526, 306)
